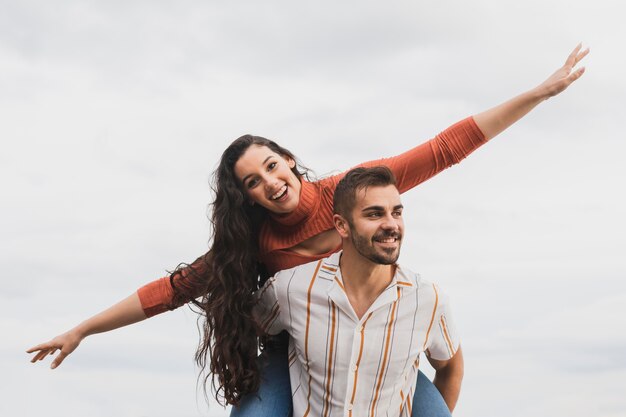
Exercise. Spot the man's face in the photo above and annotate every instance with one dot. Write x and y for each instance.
(376, 226)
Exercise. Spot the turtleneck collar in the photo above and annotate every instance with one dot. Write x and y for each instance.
(308, 204)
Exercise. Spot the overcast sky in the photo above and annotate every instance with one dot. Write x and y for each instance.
(113, 116)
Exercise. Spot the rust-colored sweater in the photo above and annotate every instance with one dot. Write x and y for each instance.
(314, 212)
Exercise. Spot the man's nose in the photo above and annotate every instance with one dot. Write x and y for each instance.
(390, 223)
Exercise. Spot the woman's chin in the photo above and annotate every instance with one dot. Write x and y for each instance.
(283, 208)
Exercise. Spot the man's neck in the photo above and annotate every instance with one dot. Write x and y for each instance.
(363, 279)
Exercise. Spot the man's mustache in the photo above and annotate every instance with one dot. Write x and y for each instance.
(387, 234)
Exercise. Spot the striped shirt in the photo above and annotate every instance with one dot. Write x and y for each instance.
(341, 365)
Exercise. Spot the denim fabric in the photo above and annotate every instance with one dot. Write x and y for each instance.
(273, 399)
(274, 396)
(427, 401)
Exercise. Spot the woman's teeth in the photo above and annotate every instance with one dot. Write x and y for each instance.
(279, 193)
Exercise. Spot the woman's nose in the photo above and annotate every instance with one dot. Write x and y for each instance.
(270, 182)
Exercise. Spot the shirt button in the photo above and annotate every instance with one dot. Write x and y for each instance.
(354, 367)
(349, 407)
(359, 329)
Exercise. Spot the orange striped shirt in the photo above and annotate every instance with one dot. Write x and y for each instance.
(346, 366)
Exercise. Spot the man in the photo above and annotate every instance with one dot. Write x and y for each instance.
(357, 321)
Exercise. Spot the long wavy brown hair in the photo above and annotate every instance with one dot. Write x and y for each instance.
(226, 278)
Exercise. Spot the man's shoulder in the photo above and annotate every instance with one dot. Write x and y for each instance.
(329, 264)
(323, 268)
(407, 277)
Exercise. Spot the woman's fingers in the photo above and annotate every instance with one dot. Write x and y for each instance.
(576, 56)
(40, 346)
(57, 361)
(571, 59)
(43, 350)
(575, 75)
(38, 356)
(581, 55)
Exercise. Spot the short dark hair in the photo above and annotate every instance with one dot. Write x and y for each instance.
(357, 179)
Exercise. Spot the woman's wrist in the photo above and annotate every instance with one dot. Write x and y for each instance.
(81, 331)
(539, 94)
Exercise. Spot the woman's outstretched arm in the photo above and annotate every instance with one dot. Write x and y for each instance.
(497, 119)
(127, 311)
(459, 140)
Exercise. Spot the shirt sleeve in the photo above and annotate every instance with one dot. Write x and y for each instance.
(266, 311)
(431, 157)
(444, 338)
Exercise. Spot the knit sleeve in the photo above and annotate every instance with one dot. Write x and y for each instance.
(156, 296)
(430, 158)
(190, 281)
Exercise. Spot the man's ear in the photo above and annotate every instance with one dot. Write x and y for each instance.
(341, 225)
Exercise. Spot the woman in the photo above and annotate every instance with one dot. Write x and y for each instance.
(267, 216)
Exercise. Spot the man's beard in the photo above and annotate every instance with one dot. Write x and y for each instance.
(366, 247)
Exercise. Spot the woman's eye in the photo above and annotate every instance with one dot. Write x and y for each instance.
(271, 166)
(252, 183)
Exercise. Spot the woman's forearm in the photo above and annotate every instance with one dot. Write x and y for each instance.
(497, 119)
(493, 121)
(127, 311)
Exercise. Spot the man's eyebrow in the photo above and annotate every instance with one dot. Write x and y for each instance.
(373, 208)
(381, 208)
(249, 175)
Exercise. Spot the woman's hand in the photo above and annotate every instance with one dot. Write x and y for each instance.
(564, 76)
(127, 311)
(66, 343)
(493, 121)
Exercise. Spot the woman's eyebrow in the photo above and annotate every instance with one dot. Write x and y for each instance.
(262, 163)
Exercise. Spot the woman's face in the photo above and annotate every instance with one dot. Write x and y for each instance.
(268, 180)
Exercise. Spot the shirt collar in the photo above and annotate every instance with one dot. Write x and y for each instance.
(402, 278)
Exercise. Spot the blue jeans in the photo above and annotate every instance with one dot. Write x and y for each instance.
(274, 396)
